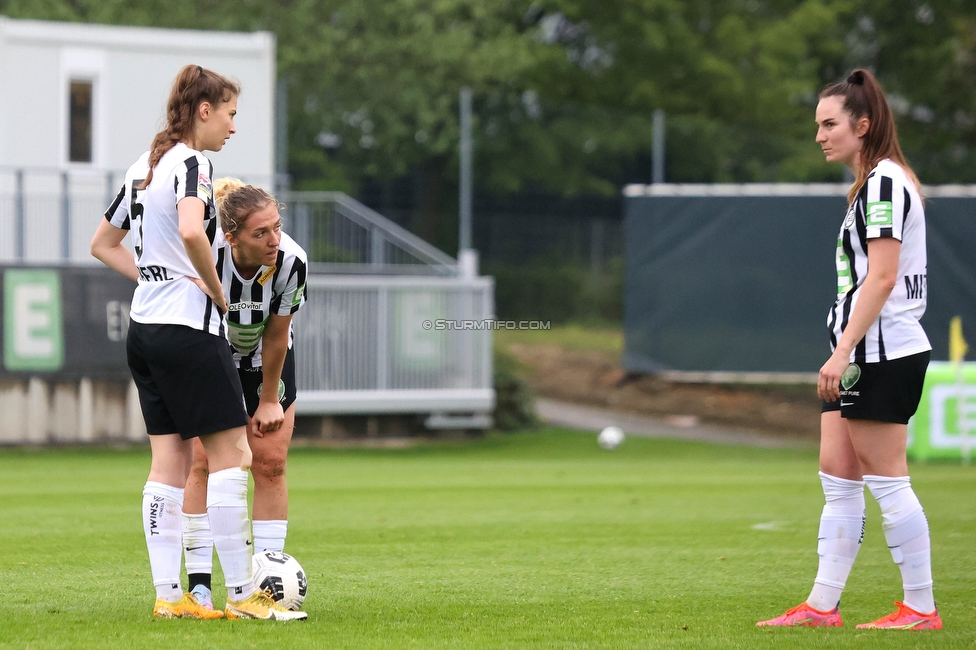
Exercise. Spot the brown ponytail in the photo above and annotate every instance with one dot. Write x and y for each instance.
(193, 86)
(863, 97)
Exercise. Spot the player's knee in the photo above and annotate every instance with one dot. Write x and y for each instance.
(200, 462)
(198, 468)
(269, 467)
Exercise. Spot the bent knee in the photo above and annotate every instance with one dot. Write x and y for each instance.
(198, 469)
(200, 460)
(269, 468)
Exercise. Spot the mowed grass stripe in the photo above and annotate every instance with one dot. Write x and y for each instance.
(525, 540)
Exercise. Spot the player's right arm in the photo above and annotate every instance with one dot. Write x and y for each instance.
(883, 254)
(107, 247)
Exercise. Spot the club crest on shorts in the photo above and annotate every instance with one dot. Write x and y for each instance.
(850, 376)
(281, 389)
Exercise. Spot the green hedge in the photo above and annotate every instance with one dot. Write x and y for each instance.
(515, 405)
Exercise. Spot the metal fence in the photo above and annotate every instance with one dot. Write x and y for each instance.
(514, 240)
(375, 344)
(532, 226)
(48, 215)
(361, 341)
(341, 235)
(391, 326)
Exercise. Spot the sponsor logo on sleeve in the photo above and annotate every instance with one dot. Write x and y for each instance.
(880, 214)
(204, 186)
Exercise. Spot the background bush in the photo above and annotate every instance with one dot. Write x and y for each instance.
(515, 408)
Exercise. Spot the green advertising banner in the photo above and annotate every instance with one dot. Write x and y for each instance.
(32, 334)
(944, 427)
(63, 323)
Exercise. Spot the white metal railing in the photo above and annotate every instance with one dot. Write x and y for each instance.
(381, 344)
(48, 215)
(341, 235)
(361, 342)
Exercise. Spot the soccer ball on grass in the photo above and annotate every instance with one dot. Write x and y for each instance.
(610, 438)
(282, 575)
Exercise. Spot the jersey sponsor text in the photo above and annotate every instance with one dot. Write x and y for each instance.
(155, 273)
(241, 306)
(915, 286)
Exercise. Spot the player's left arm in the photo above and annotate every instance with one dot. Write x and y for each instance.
(269, 416)
(883, 253)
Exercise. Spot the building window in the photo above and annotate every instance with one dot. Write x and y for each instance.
(80, 126)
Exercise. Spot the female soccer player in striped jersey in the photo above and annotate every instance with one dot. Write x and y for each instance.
(176, 345)
(872, 383)
(263, 274)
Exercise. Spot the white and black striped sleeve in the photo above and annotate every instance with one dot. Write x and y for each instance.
(194, 177)
(293, 294)
(118, 213)
(887, 205)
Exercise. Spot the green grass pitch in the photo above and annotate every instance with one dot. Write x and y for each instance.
(538, 540)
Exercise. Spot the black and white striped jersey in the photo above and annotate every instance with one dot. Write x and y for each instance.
(276, 289)
(165, 294)
(887, 206)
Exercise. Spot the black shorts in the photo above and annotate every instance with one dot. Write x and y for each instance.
(186, 379)
(888, 391)
(252, 378)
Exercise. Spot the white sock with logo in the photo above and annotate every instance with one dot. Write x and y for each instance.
(162, 507)
(907, 533)
(269, 534)
(839, 539)
(227, 509)
(198, 544)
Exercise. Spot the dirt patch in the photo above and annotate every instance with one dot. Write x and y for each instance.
(596, 379)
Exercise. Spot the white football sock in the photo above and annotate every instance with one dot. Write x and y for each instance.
(907, 533)
(197, 543)
(269, 534)
(227, 508)
(839, 539)
(162, 507)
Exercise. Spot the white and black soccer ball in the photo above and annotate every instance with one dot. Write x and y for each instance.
(282, 576)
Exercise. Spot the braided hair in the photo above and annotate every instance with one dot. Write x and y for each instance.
(193, 86)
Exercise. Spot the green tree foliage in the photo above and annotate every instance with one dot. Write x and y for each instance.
(564, 89)
(925, 55)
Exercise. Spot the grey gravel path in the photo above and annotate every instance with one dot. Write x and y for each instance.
(588, 418)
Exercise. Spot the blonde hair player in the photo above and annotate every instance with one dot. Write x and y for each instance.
(263, 273)
(176, 346)
(872, 383)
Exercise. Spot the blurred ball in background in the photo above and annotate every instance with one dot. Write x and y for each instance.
(610, 438)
